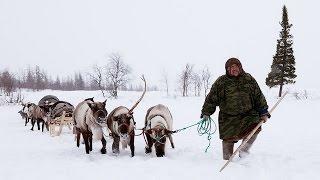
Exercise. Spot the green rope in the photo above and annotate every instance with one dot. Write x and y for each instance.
(204, 128)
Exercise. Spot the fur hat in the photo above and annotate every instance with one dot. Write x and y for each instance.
(235, 61)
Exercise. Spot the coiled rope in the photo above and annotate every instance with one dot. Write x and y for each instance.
(204, 128)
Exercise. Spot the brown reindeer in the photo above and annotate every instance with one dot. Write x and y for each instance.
(24, 113)
(89, 119)
(37, 115)
(158, 126)
(121, 124)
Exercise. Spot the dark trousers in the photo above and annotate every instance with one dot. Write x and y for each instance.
(227, 146)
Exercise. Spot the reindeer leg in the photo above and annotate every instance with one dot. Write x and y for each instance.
(25, 124)
(42, 125)
(47, 126)
(38, 124)
(51, 130)
(148, 148)
(132, 144)
(90, 141)
(86, 141)
(171, 141)
(60, 129)
(160, 150)
(32, 122)
(115, 144)
(104, 144)
(78, 138)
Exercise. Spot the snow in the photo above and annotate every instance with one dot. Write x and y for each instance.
(287, 148)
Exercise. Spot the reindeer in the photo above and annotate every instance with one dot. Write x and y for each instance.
(158, 126)
(24, 113)
(121, 124)
(37, 114)
(89, 119)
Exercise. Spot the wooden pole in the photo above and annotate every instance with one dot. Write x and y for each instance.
(251, 133)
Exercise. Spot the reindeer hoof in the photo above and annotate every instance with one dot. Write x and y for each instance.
(103, 151)
(160, 155)
(115, 152)
(148, 150)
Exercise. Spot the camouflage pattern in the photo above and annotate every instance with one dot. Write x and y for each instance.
(241, 103)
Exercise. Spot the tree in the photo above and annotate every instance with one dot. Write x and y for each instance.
(205, 77)
(67, 84)
(97, 79)
(283, 65)
(165, 80)
(117, 73)
(57, 84)
(197, 83)
(30, 79)
(39, 79)
(7, 82)
(185, 79)
(78, 81)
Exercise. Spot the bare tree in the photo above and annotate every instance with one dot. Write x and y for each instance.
(185, 79)
(117, 73)
(7, 82)
(206, 77)
(97, 79)
(165, 80)
(197, 83)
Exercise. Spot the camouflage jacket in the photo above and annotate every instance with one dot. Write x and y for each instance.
(240, 101)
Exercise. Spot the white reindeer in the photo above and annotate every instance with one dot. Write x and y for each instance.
(89, 119)
(158, 126)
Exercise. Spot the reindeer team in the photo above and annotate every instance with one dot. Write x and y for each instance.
(90, 117)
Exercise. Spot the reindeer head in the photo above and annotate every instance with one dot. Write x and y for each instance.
(24, 109)
(99, 112)
(28, 105)
(125, 124)
(158, 135)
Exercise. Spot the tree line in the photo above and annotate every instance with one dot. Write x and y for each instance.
(108, 79)
(35, 78)
(115, 74)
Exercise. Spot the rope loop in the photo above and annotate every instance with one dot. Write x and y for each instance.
(204, 127)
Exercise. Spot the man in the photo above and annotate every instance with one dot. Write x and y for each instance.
(242, 106)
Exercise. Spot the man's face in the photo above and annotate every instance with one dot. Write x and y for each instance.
(234, 70)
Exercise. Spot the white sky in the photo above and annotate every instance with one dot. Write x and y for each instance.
(64, 36)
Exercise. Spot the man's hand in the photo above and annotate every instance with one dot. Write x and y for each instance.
(205, 117)
(264, 118)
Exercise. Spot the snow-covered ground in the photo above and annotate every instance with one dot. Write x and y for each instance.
(287, 148)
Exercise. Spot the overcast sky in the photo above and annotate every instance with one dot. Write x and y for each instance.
(64, 36)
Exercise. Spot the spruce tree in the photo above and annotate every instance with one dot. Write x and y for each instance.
(282, 68)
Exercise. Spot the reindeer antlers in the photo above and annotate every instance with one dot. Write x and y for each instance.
(144, 91)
